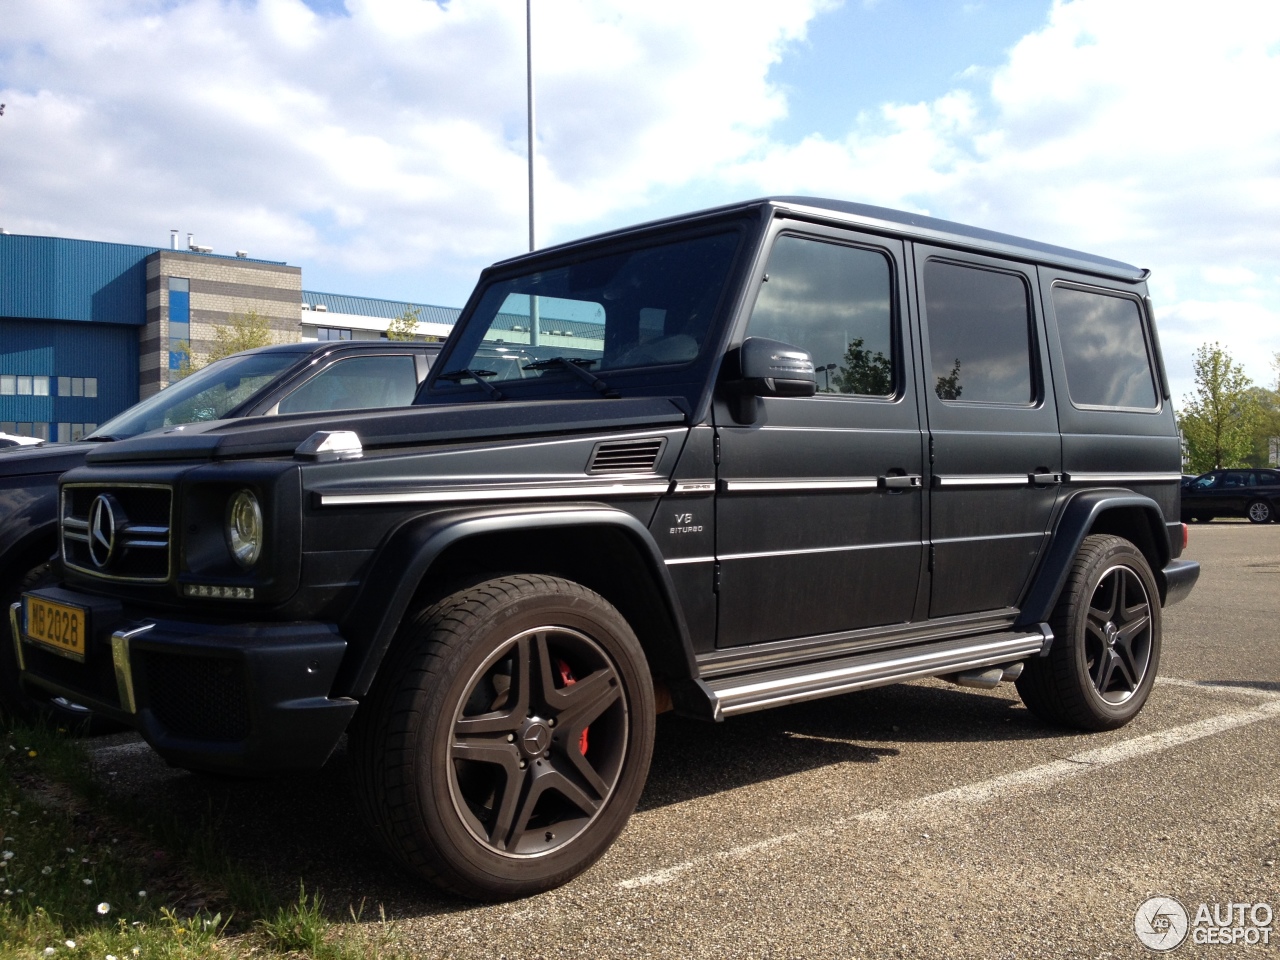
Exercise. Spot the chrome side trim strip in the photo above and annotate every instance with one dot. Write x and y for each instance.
(680, 560)
(1153, 477)
(992, 536)
(872, 672)
(769, 486)
(123, 664)
(470, 494)
(16, 630)
(840, 549)
(983, 480)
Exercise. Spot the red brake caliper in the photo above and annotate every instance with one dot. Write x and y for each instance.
(567, 679)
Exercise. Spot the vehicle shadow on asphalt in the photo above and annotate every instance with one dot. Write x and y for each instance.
(309, 829)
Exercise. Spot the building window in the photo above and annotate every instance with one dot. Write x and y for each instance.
(24, 386)
(72, 431)
(332, 333)
(179, 321)
(77, 386)
(8, 385)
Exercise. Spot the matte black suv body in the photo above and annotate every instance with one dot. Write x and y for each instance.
(660, 501)
(267, 381)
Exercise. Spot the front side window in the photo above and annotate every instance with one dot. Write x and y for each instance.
(646, 307)
(1104, 349)
(835, 302)
(357, 383)
(980, 342)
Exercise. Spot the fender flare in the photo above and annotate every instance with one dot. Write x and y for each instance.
(1078, 518)
(408, 554)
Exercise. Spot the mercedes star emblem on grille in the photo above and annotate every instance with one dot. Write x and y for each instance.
(102, 531)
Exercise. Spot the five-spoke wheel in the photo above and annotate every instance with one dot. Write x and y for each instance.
(507, 738)
(1106, 647)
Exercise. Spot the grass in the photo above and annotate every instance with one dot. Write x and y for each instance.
(86, 874)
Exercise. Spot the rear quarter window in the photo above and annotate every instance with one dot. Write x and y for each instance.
(1104, 349)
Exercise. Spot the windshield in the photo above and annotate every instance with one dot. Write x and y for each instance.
(649, 307)
(207, 394)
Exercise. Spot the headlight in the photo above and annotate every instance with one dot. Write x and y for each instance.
(244, 528)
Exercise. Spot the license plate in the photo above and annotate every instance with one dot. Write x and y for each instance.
(57, 626)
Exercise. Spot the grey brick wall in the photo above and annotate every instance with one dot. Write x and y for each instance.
(220, 288)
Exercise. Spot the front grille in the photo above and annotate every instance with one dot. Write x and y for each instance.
(626, 456)
(120, 532)
(199, 697)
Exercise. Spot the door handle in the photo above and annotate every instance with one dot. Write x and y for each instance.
(1044, 479)
(900, 483)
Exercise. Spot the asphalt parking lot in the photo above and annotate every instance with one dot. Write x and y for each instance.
(920, 820)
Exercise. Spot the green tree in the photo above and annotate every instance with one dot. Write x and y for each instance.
(185, 364)
(1218, 420)
(242, 331)
(949, 387)
(1266, 427)
(864, 372)
(405, 326)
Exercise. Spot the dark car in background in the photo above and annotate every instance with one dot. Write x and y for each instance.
(1252, 493)
(294, 378)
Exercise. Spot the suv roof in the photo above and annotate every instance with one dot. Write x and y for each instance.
(921, 227)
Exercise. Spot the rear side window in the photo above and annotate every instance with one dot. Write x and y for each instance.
(837, 303)
(1104, 349)
(979, 334)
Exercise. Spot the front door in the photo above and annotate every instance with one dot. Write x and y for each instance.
(819, 502)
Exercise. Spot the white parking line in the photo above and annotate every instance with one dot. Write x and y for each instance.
(1019, 781)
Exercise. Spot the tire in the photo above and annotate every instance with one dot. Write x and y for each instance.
(1106, 648)
(1260, 511)
(507, 737)
(15, 702)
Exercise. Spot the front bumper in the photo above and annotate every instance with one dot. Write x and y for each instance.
(244, 698)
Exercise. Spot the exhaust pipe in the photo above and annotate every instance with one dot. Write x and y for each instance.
(986, 678)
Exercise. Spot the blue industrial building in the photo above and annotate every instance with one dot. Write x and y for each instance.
(88, 328)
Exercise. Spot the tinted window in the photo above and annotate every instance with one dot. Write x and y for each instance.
(1104, 349)
(835, 302)
(358, 383)
(979, 334)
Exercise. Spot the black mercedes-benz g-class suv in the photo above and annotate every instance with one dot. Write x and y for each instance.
(742, 458)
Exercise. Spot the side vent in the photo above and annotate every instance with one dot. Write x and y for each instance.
(626, 456)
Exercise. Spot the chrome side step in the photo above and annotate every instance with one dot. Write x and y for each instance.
(776, 688)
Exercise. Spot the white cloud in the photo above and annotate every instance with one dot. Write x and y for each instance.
(391, 141)
(385, 140)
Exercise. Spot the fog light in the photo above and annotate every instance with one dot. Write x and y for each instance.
(244, 528)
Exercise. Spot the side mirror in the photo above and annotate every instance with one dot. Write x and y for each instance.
(770, 368)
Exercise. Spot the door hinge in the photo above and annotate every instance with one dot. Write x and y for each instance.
(931, 449)
(715, 577)
(715, 449)
(931, 559)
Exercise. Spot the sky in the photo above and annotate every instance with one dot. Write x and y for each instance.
(380, 144)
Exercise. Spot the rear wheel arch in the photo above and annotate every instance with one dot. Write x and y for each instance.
(1113, 511)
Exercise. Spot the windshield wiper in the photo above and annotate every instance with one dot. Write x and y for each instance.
(454, 376)
(576, 365)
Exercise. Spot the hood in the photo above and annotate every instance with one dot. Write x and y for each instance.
(387, 429)
(46, 458)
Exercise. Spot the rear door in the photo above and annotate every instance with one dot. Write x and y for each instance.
(818, 506)
(996, 454)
